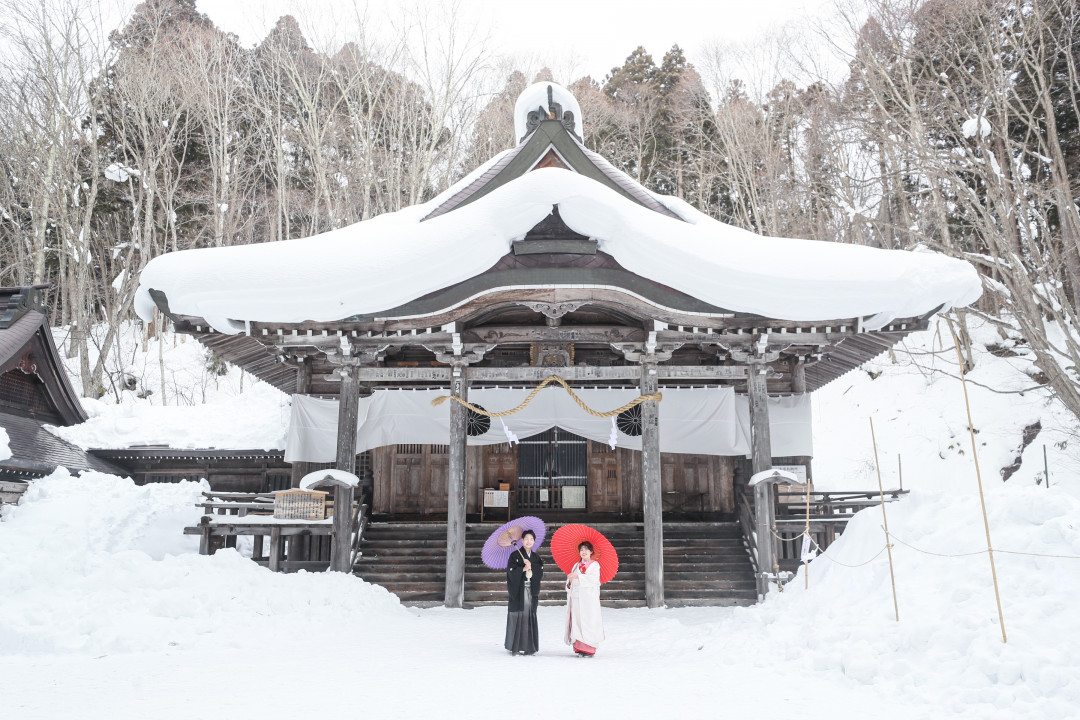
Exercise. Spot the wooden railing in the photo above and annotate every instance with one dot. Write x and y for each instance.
(361, 517)
(745, 507)
(308, 544)
(829, 513)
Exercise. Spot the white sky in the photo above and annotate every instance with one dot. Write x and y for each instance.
(573, 37)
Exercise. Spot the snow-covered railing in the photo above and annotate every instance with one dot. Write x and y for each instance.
(829, 513)
(292, 543)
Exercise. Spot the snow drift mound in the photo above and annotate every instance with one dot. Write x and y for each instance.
(947, 646)
(96, 564)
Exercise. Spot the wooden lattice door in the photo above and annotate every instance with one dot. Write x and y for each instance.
(418, 479)
(605, 487)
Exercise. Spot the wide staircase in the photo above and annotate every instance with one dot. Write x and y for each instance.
(705, 563)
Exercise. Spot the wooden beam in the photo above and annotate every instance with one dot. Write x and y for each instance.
(456, 492)
(652, 497)
(348, 410)
(578, 373)
(542, 333)
(527, 334)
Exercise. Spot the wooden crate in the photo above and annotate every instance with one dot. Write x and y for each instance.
(299, 504)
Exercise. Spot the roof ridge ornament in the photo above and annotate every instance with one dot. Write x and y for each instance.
(554, 111)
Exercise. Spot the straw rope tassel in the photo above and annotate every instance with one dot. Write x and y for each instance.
(982, 500)
(885, 519)
(547, 381)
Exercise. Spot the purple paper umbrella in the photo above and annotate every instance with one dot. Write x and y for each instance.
(507, 539)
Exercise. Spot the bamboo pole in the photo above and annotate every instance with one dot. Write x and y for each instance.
(900, 469)
(982, 499)
(806, 565)
(885, 519)
(1046, 469)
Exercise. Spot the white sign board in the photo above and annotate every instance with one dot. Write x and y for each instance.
(496, 498)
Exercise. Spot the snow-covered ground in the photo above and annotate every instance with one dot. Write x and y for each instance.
(108, 611)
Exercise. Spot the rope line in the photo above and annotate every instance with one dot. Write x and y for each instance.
(657, 396)
(920, 550)
(1014, 552)
(928, 552)
(876, 555)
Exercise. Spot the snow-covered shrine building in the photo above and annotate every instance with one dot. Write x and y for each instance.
(549, 261)
(35, 391)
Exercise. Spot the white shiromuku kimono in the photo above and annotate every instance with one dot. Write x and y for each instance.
(583, 622)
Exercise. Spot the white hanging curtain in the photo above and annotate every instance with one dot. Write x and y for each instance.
(707, 421)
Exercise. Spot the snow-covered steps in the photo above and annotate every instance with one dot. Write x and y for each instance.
(704, 564)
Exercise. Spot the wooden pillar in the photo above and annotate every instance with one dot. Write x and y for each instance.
(761, 460)
(798, 375)
(348, 410)
(275, 549)
(652, 499)
(303, 386)
(456, 489)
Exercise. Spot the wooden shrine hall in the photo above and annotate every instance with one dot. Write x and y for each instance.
(548, 261)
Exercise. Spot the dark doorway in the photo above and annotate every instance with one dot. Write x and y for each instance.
(553, 471)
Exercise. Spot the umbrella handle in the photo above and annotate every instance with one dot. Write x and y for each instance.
(526, 560)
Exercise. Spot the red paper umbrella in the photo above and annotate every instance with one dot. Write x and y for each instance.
(564, 548)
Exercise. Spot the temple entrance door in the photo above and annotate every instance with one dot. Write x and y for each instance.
(605, 487)
(552, 471)
(418, 481)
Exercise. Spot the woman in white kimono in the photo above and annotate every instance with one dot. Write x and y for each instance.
(584, 626)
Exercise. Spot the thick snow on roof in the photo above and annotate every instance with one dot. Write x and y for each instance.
(389, 260)
(535, 96)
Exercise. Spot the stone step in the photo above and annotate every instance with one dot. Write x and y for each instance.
(673, 547)
(671, 579)
(704, 564)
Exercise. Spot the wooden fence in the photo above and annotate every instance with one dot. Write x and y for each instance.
(293, 545)
(829, 513)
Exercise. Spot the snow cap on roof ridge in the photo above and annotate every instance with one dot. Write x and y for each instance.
(543, 101)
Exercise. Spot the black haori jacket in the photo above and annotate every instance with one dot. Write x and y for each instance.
(515, 579)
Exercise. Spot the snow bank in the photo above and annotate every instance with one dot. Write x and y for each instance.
(921, 422)
(5, 449)
(721, 264)
(96, 564)
(256, 420)
(946, 649)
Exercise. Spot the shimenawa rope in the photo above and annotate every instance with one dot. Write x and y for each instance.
(657, 396)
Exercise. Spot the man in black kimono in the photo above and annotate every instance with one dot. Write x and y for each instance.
(524, 572)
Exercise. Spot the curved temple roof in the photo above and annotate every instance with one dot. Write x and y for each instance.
(379, 266)
(387, 261)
